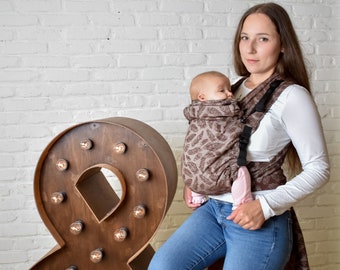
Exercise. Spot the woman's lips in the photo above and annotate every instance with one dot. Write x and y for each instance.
(252, 61)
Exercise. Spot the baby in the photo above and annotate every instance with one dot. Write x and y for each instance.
(206, 158)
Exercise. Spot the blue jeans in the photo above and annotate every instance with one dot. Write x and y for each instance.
(207, 236)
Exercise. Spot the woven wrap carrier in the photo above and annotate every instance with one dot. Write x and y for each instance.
(212, 148)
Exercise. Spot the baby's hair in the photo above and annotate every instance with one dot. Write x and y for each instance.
(212, 72)
(193, 91)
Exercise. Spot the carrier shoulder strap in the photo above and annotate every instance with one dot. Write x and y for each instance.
(245, 135)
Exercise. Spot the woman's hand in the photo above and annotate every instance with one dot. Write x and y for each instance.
(187, 197)
(248, 215)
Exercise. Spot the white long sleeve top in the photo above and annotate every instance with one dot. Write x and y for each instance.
(293, 117)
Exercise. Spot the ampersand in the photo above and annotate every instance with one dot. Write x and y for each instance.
(94, 227)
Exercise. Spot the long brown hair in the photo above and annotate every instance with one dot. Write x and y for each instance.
(291, 64)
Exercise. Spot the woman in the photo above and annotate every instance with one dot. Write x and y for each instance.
(258, 234)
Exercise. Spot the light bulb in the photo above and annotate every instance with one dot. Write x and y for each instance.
(139, 211)
(72, 267)
(96, 255)
(76, 227)
(58, 197)
(142, 175)
(62, 164)
(86, 144)
(120, 234)
(119, 148)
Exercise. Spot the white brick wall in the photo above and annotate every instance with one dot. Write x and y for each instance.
(64, 62)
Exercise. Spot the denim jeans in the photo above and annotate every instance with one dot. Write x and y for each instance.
(207, 236)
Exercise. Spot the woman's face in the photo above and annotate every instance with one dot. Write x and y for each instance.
(259, 45)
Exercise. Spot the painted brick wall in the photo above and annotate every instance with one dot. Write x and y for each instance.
(64, 62)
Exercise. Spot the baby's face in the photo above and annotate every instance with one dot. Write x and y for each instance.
(216, 88)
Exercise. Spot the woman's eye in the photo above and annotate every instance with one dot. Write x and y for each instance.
(264, 39)
(244, 37)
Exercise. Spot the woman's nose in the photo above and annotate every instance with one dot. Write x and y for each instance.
(251, 48)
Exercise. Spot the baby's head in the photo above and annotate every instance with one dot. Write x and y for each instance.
(211, 85)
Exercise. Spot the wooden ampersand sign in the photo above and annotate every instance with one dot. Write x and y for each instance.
(94, 226)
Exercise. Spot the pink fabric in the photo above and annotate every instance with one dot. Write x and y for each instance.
(241, 188)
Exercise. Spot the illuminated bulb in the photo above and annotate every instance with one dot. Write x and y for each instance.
(58, 197)
(96, 255)
(142, 175)
(86, 144)
(62, 164)
(72, 267)
(76, 227)
(139, 211)
(120, 234)
(119, 148)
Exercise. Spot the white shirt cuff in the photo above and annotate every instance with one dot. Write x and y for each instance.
(267, 211)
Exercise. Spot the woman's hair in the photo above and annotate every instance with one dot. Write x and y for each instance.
(290, 65)
(291, 62)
